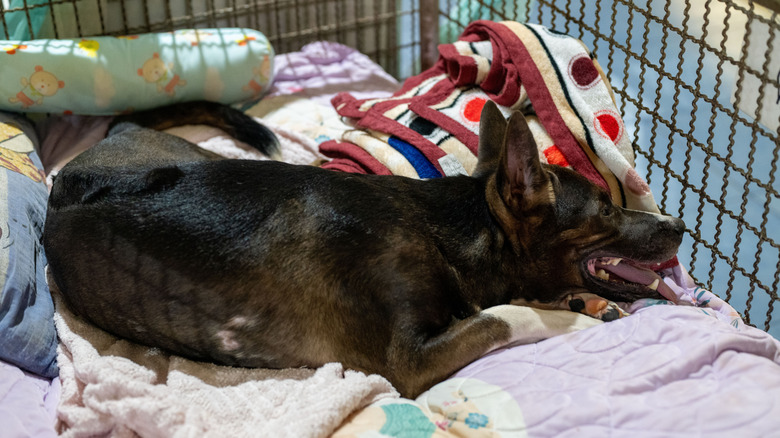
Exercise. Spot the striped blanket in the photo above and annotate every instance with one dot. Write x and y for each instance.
(429, 128)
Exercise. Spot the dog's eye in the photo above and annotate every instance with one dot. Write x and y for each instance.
(607, 210)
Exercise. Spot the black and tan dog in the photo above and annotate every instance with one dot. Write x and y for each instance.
(266, 264)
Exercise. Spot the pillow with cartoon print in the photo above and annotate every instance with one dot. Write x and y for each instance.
(27, 335)
(112, 75)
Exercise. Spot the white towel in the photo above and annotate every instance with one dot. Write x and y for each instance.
(113, 387)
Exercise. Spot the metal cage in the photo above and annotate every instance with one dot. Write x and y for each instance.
(696, 82)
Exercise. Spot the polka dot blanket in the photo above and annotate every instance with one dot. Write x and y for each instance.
(430, 127)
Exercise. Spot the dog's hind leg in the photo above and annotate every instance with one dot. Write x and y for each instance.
(419, 367)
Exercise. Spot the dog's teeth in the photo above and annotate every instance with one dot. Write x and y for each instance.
(654, 284)
(602, 274)
(614, 262)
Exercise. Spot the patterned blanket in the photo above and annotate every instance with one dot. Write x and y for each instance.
(430, 127)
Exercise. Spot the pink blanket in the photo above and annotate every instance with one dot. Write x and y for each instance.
(664, 371)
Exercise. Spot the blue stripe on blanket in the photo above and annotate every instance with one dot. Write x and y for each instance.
(421, 164)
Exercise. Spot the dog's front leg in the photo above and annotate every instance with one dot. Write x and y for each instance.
(464, 341)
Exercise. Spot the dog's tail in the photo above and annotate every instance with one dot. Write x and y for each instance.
(234, 122)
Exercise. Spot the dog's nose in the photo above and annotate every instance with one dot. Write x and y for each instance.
(675, 225)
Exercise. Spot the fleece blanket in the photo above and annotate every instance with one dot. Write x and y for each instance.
(430, 127)
(112, 387)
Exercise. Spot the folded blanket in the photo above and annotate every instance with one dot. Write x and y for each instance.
(430, 127)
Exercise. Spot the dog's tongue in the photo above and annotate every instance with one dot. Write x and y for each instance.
(636, 274)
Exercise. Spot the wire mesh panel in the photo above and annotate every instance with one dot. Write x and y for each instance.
(372, 26)
(697, 83)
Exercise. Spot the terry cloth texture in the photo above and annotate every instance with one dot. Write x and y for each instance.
(430, 127)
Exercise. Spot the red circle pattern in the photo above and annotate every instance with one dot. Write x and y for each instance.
(555, 156)
(582, 72)
(608, 125)
(472, 111)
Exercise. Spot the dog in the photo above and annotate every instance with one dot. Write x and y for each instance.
(266, 264)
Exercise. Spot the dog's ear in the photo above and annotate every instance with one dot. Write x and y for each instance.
(492, 126)
(524, 181)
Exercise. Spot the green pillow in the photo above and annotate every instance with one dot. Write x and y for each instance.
(112, 75)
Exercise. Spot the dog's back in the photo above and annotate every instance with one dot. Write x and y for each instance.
(105, 203)
(166, 244)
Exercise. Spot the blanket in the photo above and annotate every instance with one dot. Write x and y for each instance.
(28, 403)
(671, 371)
(430, 127)
(686, 370)
(132, 389)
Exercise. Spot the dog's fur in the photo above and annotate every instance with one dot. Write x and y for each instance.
(266, 264)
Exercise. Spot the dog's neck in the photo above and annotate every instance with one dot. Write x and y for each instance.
(474, 241)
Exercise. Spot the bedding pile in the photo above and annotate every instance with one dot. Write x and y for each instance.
(430, 127)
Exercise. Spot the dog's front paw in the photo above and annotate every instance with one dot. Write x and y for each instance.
(595, 307)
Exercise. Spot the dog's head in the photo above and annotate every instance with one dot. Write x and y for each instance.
(568, 234)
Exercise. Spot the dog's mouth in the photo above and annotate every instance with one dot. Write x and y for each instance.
(620, 279)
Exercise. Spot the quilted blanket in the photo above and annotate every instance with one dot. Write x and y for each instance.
(666, 371)
(690, 369)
